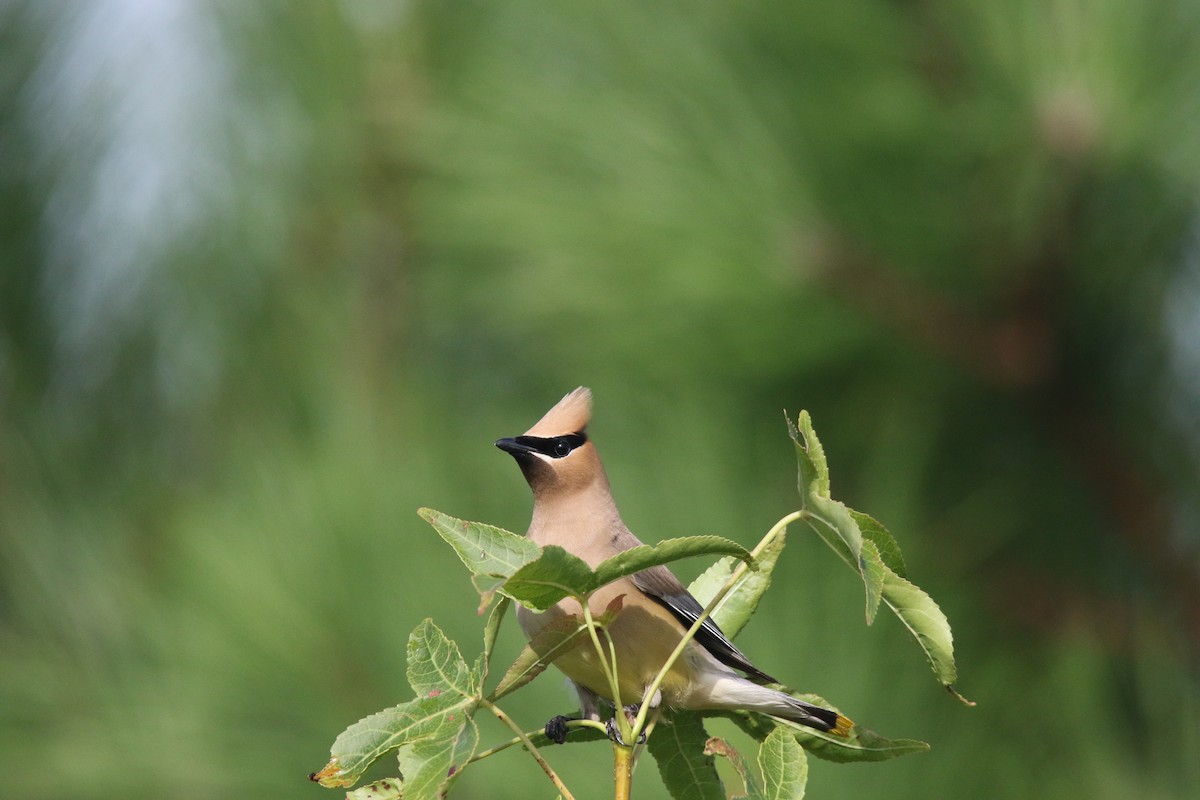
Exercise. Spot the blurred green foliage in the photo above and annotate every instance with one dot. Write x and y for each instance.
(272, 276)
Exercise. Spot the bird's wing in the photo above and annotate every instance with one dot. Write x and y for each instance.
(665, 589)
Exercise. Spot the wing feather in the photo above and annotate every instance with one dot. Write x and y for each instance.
(664, 588)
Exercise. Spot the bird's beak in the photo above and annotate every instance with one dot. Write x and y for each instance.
(514, 448)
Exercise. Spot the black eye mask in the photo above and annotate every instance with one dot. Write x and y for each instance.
(553, 446)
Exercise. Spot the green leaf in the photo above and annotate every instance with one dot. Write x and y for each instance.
(871, 565)
(447, 695)
(871, 550)
(557, 574)
(386, 789)
(916, 610)
(860, 745)
(428, 766)
(550, 642)
(928, 625)
(784, 767)
(739, 604)
(436, 717)
(678, 745)
(645, 556)
(889, 550)
(552, 576)
(722, 748)
(486, 550)
(436, 665)
(490, 631)
(833, 522)
(814, 471)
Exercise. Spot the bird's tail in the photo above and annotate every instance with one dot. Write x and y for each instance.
(735, 692)
(823, 719)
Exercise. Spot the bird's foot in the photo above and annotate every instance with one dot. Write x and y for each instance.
(556, 728)
(614, 731)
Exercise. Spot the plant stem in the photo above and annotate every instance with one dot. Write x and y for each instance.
(650, 723)
(718, 598)
(500, 748)
(533, 751)
(622, 771)
(610, 672)
(491, 751)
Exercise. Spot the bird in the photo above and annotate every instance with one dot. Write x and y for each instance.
(573, 508)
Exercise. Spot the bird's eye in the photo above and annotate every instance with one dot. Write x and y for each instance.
(561, 448)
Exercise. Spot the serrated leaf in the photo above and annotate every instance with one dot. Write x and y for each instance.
(551, 641)
(487, 586)
(548, 644)
(870, 549)
(722, 748)
(814, 471)
(861, 745)
(833, 522)
(872, 568)
(485, 549)
(386, 789)
(429, 765)
(687, 771)
(889, 549)
(916, 609)
(490, 631)
(645, 556)
(739, 604)
(784, 767)
(555, 574)
(439, 716)
(436, 665)
(927, 624)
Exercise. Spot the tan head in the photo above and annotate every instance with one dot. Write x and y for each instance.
(555, 454)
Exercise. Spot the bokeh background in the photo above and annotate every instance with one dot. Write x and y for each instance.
(274, 275)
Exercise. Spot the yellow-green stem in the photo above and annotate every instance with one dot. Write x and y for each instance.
(650, 723)
(500, 748)
(622, 770)
(533, 751)
(609, 672)
(718, 598)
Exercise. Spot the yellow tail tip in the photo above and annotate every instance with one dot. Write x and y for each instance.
(842, 726)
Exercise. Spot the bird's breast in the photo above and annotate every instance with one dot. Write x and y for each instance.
(642, 635)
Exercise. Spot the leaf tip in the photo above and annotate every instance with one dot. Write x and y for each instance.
(485, 601)
(954, 693)
(791, 426)
(331, 776)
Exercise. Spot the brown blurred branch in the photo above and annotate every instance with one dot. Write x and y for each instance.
(1013, 350)
(1019, 349)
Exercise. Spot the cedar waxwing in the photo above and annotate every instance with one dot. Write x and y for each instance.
(573, 508)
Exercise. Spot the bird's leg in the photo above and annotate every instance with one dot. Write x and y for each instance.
(589, 702)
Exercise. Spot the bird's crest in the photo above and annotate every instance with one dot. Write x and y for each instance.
(569, 415)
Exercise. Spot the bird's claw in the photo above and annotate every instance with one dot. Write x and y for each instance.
(614, 733)
(556, 729)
